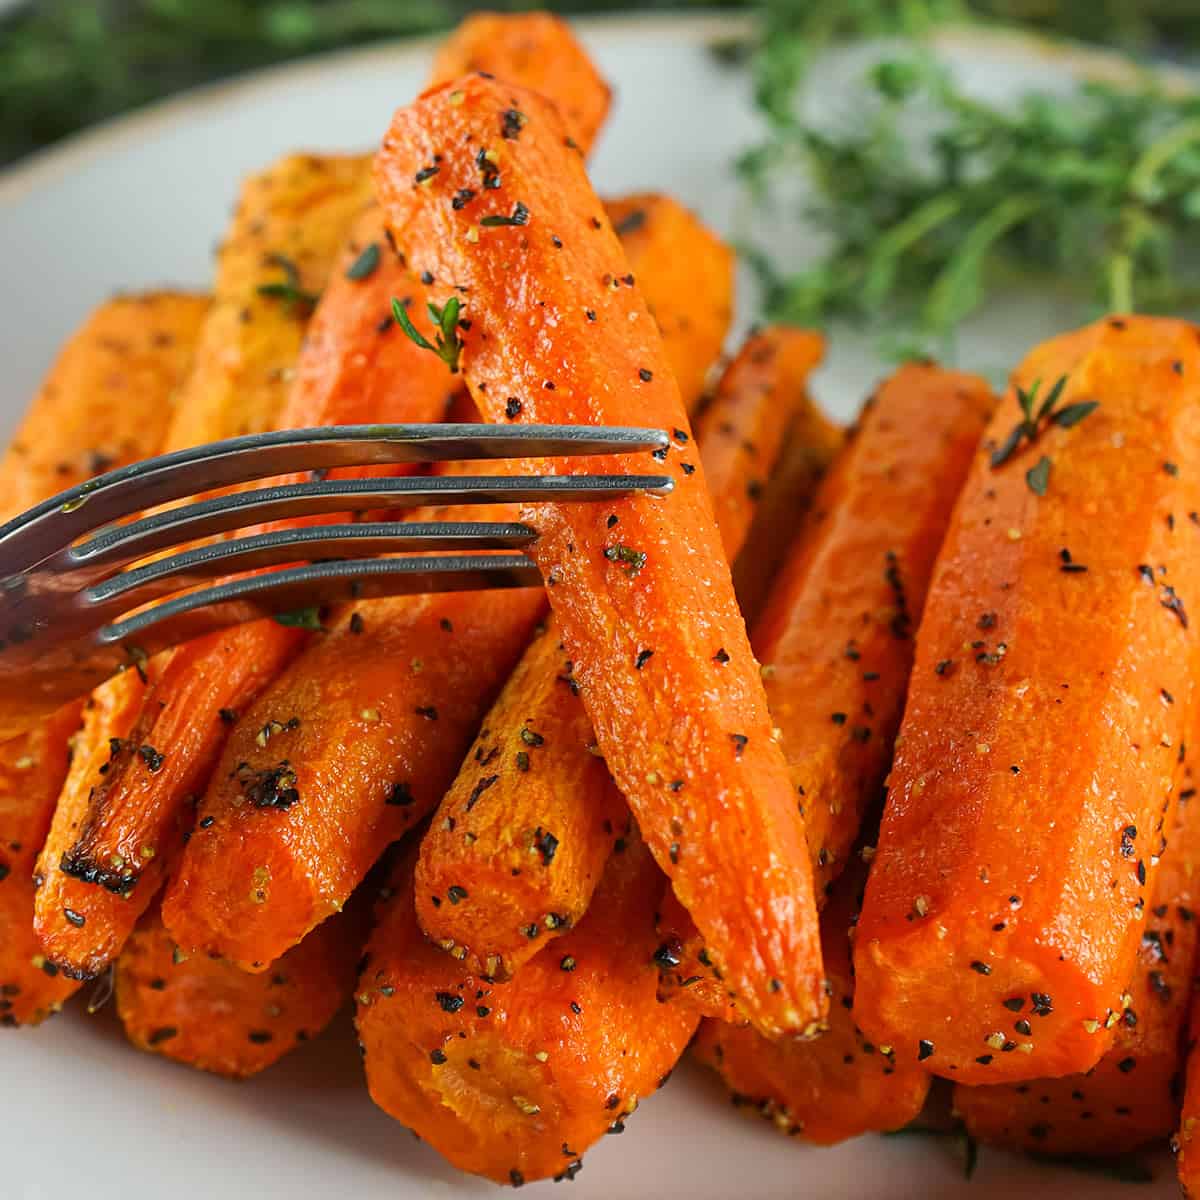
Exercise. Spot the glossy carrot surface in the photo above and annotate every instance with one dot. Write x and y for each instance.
(1051, 690)
(515, 1081)
(640, 587)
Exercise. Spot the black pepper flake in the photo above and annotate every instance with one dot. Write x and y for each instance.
(437, 1057)
(945, 667)
(1173, 603)
(1126, 1065)
(1043, 1006)
(270, 787)
(425, 173)
(575, 1008)
(981, 968)
(260, 1037)
(427, 711)
(984, 1059)
(516, 1178)
(1014, 1003)
(838, 718)
(721, 656)
(1141, 872)
(924, 1049)
(739, 741)
(512, 121)
(357, 625)
(480, 787)
(1023, 1027)
(456, 894)
(426, 277)
(522, 761)
(546, 844)
(520, 216)
(227, 715)
(207, 822)
(5, 871)
(687, 468)
(164, 1034)
(567, 963)
(461, 199)
(512, 407)
(644, 375)
(643, 657)
(76, 918)
(449, 1001)
(589, 313)
(400, 796)
(531, 738)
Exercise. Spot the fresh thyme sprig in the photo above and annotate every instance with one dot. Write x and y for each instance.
(1101, 187)
(449, 344)
(1035, 417)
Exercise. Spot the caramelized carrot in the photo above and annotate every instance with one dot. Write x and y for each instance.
(537, 51)
(1129, 1098)
(208, 1014)
(810, 446)
(290, 223)
(32, 769)
(835, 1087)
(108, 398)
(515, 1081)
(532, 778)
(640, 590)
(350, 747)
(685, 275)
(836, 637)
(1050, 693)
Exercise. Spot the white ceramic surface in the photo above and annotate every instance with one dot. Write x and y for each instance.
(140, 202)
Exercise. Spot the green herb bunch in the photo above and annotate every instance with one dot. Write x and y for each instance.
(1100, 187)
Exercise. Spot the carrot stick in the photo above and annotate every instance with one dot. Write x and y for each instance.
(836, 637)
(515, 1081)
(207, 1014)
(1129, 1099)
(32, 770)
(835, 1087)
(105, 403)
(1184, 1141)
(289, 225)
(810, 445)
(685, 732)
(346, 750)
(1024, 814)
(537, 51)
(485, 888)
(685, 275)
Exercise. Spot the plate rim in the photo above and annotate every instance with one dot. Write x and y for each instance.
(46, 165)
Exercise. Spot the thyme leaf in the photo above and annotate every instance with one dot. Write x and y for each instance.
(448, 345)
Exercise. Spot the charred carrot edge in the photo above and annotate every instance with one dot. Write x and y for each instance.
(290, 223)
(810, 447)
(836, 1087)
(108, 398)
(640, 588)
(836, 638)
(1016, 855)
(1129, 1099)
(685, 274)
(346, 750)
(524, 831)
(32, 770)
(515, 1081)
(538, 51)
(207, 1014)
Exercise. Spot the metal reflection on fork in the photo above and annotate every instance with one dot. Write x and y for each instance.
(81, 596)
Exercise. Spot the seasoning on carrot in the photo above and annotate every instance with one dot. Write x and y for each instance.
(207, 1014)
(686, 735)
(836, 637)
(836, 1087)
(533, 774)
(685, 275)
(1129, 1098)
(1024, 817)
(515, 1081)
(538, 51)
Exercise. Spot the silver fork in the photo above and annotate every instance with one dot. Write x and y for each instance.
(75, 607)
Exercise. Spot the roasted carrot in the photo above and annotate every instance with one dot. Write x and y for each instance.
(32, 769)
(835, 1087)
(532, 778)
(685, 275)
(1129, 1098)
(836, 637)
(1184, 1142)
(1051, 690)
(290, 222)
(105, 403)
(108, 398)
(811, 443)
(206, 1013)
(515, 1081)
(640, 588)
(537, 51)
(350, 747)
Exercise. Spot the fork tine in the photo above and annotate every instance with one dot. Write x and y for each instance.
(132, 588)
(121, 544)
(314, 586)
(172, 477)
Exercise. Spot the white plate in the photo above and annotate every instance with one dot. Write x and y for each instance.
(140, 202)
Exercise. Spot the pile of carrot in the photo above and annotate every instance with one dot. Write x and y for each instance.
(862, 758)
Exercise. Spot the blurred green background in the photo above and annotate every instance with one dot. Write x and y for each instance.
(67, 63)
